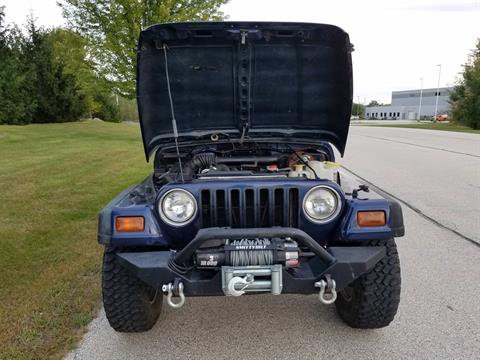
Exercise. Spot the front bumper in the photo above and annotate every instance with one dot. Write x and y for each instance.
(343, 264)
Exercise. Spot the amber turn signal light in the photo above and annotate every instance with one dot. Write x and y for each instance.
(129, 223)
(371, 218)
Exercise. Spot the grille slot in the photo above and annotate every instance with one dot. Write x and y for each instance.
(221, 208)
(260, 207)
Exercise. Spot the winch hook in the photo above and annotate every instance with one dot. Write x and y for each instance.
(237, 280)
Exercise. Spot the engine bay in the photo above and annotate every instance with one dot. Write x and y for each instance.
(229, 161)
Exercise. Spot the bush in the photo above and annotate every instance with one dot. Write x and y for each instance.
(128, 109)
(105, 108)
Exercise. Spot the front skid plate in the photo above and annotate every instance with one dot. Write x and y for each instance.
(351, 262)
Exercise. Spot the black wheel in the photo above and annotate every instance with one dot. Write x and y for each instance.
(130, 305)
(372, 300)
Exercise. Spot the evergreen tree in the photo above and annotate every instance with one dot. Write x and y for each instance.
(16, 79)
(57, 92)
(34, 85)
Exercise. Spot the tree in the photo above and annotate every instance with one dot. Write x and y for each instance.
(358, 110)
(38, 82)
(57, 92)
(70, 48)
(112, 28)
(374, 103)
(465, 98)
(16, 79)
(2, 20)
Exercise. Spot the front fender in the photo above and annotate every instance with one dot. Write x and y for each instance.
(351, 231)
(137, 200)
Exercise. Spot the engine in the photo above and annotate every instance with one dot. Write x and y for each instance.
(214, 163)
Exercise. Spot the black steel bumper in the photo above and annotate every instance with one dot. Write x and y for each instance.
(343, 264)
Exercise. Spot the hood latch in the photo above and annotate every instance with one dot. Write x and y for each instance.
(244, 35)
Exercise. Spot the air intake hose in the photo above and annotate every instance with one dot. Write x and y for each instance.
(203, 161)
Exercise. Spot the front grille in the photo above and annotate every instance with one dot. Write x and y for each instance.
(249, 208)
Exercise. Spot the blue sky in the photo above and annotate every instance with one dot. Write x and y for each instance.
(397, 42)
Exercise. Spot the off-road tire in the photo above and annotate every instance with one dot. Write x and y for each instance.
(130, 304)
(372, 300)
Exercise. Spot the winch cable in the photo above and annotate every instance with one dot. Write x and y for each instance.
(249, 257)
(174, 121)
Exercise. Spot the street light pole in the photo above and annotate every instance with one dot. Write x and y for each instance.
(438, 88)
(421, 94)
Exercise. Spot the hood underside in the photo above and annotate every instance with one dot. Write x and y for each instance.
(244, 80)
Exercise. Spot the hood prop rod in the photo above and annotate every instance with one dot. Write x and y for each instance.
(174, 121)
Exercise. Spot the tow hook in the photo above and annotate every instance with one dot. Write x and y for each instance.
(328, 292)
(177, 289)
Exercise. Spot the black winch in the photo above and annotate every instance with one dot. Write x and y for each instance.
(248, 252)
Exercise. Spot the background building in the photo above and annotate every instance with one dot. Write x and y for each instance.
(405, 105)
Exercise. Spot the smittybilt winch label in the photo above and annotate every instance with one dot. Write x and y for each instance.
(250, 247)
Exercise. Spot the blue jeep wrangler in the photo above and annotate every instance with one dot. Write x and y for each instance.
(245, 195)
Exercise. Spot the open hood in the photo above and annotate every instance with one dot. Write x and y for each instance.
(249, 80)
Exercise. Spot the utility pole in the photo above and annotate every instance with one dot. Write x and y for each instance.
(421, 94)
(438, 89)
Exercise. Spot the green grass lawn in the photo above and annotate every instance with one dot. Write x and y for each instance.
(54, 179)
(434, 126)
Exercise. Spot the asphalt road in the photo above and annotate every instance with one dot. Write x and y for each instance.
(437, 176)
(435, 172)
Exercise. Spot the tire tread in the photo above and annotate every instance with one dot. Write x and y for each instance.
(125, 298)
(376, 295)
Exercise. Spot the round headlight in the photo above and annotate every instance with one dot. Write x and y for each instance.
(177, 207)
(321, 204)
